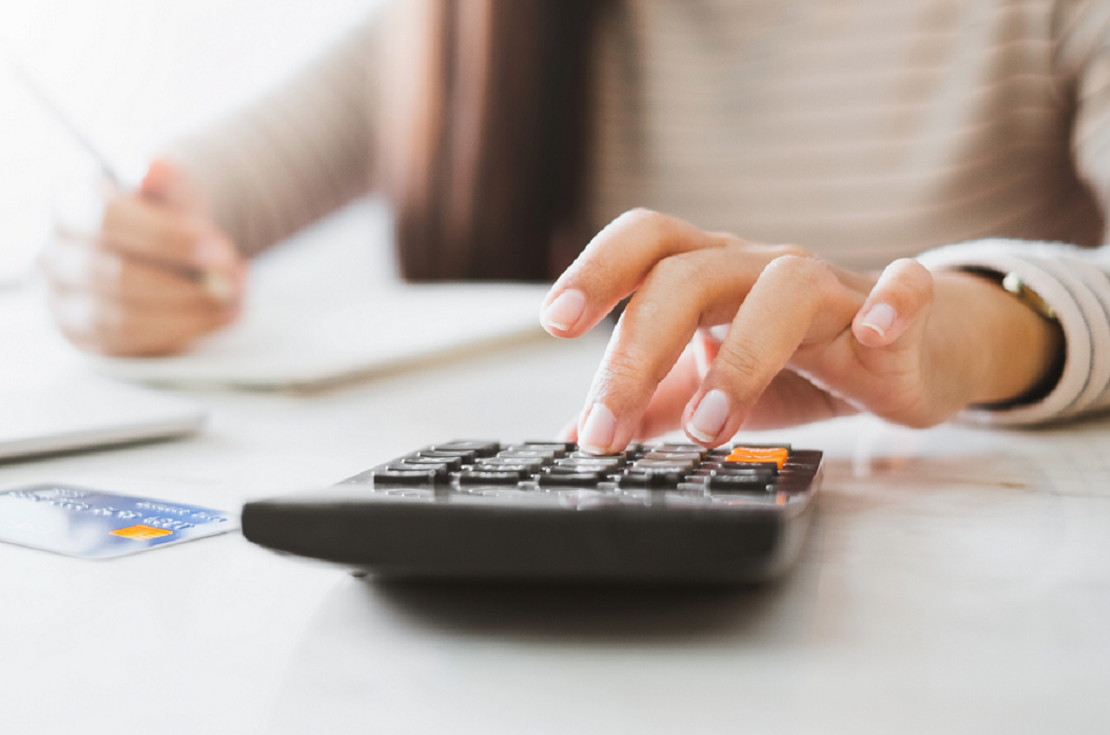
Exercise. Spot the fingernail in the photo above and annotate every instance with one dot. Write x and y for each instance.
(565, 311)
(596, 436)
(709, 417)
(880, 318)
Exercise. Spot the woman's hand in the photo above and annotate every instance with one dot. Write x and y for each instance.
(156, 276)
(805, 340)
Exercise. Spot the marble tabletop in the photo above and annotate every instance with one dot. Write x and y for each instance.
(955, 580)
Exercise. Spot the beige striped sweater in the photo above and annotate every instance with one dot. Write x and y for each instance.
(863, 130)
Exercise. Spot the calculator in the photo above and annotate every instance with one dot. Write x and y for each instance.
(540, 511)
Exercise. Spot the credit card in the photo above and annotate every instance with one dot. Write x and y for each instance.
(99, 525)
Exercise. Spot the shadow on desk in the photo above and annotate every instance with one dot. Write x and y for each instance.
(771, 613)
(586, 613)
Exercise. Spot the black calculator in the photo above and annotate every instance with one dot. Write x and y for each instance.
(542, 511)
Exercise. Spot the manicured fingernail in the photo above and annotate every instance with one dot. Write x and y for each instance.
(596, 436)
(565, 311)
(880, 318)
(709, 417)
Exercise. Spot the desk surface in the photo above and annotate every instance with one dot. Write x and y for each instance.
(956, 580)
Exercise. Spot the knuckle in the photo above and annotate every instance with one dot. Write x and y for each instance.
(916, 275)
(681, 269)
(660, 227)
(795, 251)
(642, 216)
(632, 366)
(739, 367)
(802, 272)
(907, 280)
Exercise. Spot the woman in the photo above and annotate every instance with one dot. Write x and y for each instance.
(862, 131)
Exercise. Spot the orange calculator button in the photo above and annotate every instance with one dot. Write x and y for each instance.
(762, 455)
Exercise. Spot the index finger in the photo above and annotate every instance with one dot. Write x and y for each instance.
(150, 230)
(614, 264)
(795, 301)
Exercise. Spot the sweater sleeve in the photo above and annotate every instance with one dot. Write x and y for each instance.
(1073, 281)
(294, 155)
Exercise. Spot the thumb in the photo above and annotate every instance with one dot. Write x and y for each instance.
(902, 295)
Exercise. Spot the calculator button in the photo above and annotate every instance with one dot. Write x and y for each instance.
(524, 471)
(531, 463)
(763, 447)
(586, 455)
(405, 464)
(777, 462)
(496, 477)
(753, 454)
(453, 464)
(697, 448)
(547, 455)
(664, 464)
(770, 472)
(591, 462)
(405, 477)
(439, 471)
(480, 448)
(740, 483)
(674, 456)
(558, 449)
(564, 470)
(466, 456)
(661, 478)
(547, 443)
(738, 468)
(571, 478)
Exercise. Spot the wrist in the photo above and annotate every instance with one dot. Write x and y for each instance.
(1017, 348)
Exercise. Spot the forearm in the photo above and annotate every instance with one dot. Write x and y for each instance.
(294, 154)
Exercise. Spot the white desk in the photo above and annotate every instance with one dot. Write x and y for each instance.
(956, 580)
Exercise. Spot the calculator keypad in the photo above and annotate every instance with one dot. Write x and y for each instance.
(558, 474)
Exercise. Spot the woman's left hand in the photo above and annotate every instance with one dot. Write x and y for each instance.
(805, 340)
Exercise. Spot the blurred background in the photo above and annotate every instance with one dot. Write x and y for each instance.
(132, 74)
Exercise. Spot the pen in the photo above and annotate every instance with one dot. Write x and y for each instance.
(217, 285)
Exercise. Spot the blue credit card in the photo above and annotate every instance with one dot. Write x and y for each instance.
(98, 525)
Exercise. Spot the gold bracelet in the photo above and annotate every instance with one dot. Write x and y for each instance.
(1012, 283)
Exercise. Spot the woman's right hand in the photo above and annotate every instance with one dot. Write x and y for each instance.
(803, 339)
(158, 275)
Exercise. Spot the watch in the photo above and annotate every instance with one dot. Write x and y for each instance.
(1013, 283)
